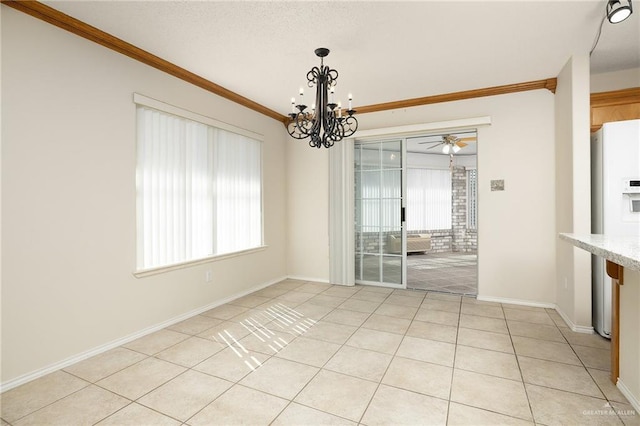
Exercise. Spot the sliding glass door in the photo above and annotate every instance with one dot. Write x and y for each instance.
(379, 213)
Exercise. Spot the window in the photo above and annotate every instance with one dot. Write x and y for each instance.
(472, 199)
(428, 199)
(199, 188)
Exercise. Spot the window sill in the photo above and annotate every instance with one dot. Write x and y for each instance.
(183, 265)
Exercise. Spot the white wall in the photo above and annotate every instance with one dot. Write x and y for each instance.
(630, 336)
(516, 227)
(68, 199)
(616, 80)
(1, 132)
(573, 191)
(308, 211)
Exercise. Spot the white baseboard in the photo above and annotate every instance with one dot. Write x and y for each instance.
(633, 399)
(315, 280)
(570, 324)
(20, 380)
(574, 327)
(516, 302)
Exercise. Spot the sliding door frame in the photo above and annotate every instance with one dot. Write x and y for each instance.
(382, 254)
(341, 190)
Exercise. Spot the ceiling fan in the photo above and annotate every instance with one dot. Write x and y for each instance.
(451, 144)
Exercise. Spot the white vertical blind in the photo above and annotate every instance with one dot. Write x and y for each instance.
(381, 202)
(198, 190)
(428, 199)
(237, 174)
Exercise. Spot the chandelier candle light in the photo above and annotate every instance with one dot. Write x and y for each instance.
(325, 123)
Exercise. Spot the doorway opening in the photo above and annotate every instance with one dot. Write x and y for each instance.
(442, 209)
(416, 212)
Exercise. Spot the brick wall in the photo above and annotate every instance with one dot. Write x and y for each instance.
(464, 240)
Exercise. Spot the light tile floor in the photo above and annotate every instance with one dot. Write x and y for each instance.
(445, 272)
(302, 353)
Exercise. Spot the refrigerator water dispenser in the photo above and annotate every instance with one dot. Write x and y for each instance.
(631, 191)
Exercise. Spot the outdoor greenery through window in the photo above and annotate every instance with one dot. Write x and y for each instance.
(199, 190)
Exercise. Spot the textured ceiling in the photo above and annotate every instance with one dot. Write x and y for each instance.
(384, 51)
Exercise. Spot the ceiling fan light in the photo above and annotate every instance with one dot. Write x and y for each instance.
(617, 12)
(445, 149)
(455, 148)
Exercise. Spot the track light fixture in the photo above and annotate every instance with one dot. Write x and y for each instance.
(617, 11)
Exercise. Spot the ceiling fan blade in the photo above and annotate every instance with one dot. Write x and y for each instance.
(471, 139)
(461, 144)
(436, 142)
(431, 147)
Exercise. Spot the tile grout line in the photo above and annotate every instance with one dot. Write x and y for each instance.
(53, 402)
(605, 397)
(197, 371)
(237, 382)
(361, 326)
(146, 357)
(320, 369)
(370, 314)
(556, 362)
(453, 366)
(390, 362)
(515, 355)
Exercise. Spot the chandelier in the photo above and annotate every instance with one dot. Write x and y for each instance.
(325, 123)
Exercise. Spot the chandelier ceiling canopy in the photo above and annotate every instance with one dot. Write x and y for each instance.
(325, 123)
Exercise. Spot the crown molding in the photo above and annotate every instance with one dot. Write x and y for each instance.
(84, 30)
(54, 17)
(549, 84)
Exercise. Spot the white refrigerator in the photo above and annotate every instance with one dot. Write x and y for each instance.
(615, 202)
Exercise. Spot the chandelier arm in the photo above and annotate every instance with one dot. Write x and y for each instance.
(332, 77)
(300, 126)
(303, 123)
(292, 127)
(312, 76)
(351, 126)
(294, 131)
